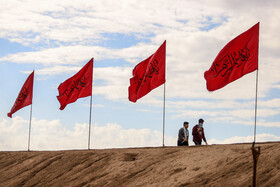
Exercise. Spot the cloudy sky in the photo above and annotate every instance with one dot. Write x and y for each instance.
(56, 38)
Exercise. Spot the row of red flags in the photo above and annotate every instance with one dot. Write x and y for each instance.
(77, 86)
(238, 58)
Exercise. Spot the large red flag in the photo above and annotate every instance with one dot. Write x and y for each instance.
(80, 85)
(236, 59)
(148, 74)
(25, 95)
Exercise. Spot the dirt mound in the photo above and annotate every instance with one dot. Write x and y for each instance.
(216, 165)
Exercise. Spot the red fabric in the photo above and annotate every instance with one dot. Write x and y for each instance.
(148, 74)
(25, 95)
(236, 59)
(80, 85)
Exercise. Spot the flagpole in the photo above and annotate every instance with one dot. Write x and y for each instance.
(29, 128)
(163, 128)
(89, 125)
(163, 120)
(255, 151)
(256, 103)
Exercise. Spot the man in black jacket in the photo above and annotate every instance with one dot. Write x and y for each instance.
(183, 135)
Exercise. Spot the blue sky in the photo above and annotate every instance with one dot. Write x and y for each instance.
(57, 38)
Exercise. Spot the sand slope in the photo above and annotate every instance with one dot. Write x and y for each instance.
(216, 165)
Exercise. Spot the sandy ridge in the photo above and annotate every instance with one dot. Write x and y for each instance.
(215, 165)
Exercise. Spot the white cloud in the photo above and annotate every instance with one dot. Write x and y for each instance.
(52, 135)
(81, 22)
(69, 33)
(261, 123)
(273, 103)
(94, 105)
(237, 114)
(248, 139)
(190, 51)
(56, 70)
(113, 135)
(70, 55)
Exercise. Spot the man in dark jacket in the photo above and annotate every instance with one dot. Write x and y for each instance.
(198, 133)
(183, 135)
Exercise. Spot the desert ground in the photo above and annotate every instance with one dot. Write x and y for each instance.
(214, 165)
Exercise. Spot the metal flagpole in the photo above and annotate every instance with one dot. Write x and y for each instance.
(163, 120)
(255, 151)
(163, 128)
(29, 128)
(256, 102)
(89, 125)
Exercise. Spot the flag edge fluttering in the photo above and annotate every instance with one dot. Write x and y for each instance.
(161, 47)
(222, 50)
(62, 107)
(31, 76)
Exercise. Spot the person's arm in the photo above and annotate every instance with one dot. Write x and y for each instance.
(194, 131)
(181, 134)
(203, 137)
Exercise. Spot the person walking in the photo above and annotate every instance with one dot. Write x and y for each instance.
(198, 133)
(183, 135)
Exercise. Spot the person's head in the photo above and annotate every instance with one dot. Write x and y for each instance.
(200, 121)
(186, 124)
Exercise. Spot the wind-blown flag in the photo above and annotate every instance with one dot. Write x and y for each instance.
(148, 74)
(80, 85)
(238, 58)
(25, 95)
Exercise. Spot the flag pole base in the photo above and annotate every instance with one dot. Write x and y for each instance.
(256, 151)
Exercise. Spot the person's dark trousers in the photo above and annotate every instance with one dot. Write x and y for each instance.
(197, 143)
(179, 143)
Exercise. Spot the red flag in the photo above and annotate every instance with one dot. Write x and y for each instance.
(80, 85)
(25, 95)
(148, 74)
(236, 59)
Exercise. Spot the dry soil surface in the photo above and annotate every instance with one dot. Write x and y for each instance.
(215, 165)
